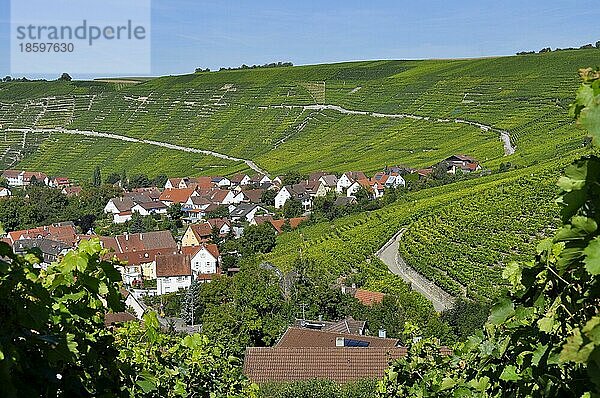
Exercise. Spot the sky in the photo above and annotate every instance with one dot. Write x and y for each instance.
(186, 34)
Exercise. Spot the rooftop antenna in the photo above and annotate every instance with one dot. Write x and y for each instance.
(303, 305)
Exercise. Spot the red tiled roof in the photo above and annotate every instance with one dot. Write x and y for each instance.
(142, 257)
(176, 195)
(193, 250)
(61, 233)
(72, 191)
(304, 337)
(173, 265)
(202, 230)
(200, 182)
(28, 175)
(218, 222)
(339, 364)
(367, 297)
(236, 179)
(294, 222)
(218, 195)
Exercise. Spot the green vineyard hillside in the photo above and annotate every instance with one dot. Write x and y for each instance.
(358, 115)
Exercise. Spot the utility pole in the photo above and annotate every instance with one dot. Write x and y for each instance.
(193, 299)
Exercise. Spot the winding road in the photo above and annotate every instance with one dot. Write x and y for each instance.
(389, 255)
(509, 149)
(174, 147)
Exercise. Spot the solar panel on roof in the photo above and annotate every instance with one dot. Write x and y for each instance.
(355, 343)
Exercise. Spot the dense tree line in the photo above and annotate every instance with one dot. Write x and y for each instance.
(38, 205)
(549, 49)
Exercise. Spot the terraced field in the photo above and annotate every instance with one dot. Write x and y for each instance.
(268, 115)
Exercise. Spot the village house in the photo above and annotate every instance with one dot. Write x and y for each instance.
(245, 212)
(250, 196)
(141, 264)
(259, 180)
(349, 178)
(329, 182)
(304, 354)
(240, 180)
(196, 234)
(307, 337)
(60, 232)
(353, 189)
(71, 191)
(5, 192)
(464, 163)
(144, 202)
(296, 192)
(342, 201)
(18, 178)
(59, 182)
(51, 250)
(139, 252)
(177, 195)
(222, 225)
(221, 182)
(150, 208)
(221, 197)
(173, 273)
(204, 261)
(388, 180)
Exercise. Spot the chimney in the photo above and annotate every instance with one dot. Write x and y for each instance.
(126, 236)
(382, 333)
(339, 341)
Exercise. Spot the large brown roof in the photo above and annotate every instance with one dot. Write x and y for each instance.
(302, 337)
(201, 230)
(143, 256)
(176, 195)
(61, 233)
(367, 297)
(173, 265)
(339, 364)
(254, 195)
(146, 241)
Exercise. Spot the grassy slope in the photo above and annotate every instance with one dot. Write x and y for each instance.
(232, 111)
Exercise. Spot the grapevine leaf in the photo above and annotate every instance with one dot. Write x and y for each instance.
(546, 324)
(513, 273)
(575, 177)
(447, 383)
(590, 119)
(538, 354)
(501, 311)
(510, 374)
(592, 257)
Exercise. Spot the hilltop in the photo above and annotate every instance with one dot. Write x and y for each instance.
(355, 115)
